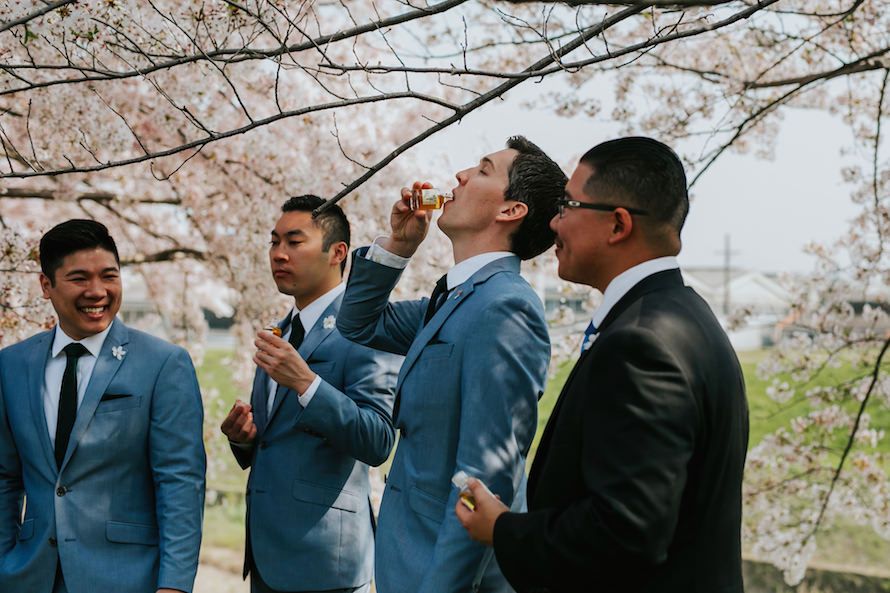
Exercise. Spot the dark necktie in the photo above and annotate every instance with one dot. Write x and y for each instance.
(435, 298)
(68, 399)
(296, 332)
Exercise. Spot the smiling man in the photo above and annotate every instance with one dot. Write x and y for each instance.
(475, 365)
(100, 439)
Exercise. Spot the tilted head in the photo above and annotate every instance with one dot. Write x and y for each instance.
(505, 202)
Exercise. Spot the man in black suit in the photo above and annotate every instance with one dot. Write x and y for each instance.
(636, 485)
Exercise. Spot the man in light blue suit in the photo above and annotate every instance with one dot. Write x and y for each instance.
(100, 439)
(476, 358)
(320, 413)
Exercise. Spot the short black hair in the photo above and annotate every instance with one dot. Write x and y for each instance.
(538, 182)
(642, 173)
(332, 220)
(70, 236)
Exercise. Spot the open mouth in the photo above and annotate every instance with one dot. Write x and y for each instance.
(93, 311)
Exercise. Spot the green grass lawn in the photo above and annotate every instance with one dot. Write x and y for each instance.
(844, 543)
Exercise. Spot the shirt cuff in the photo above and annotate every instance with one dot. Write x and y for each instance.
(378, 254)
(307, 395)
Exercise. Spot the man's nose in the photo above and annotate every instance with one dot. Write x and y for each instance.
(95, 289)
(278, 254)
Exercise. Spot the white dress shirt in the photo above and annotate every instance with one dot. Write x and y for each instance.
(308, 316)
(55, 368)
(459, 274)
(623, 282)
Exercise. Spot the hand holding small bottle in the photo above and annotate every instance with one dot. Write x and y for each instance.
(409, 227)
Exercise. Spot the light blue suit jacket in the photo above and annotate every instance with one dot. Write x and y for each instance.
(309, 520)
(466, 400)
(124, 511)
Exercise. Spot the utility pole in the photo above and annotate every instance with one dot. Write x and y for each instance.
(727, 254)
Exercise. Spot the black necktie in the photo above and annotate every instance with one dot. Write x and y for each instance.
(296, 332)
(435, 300)
(67, 399)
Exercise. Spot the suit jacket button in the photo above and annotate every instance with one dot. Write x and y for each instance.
(61, 491)
(52, 542)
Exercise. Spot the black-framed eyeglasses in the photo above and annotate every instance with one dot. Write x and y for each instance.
(563, 204)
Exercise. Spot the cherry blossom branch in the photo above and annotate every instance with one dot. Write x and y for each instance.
(211, 136)
(35, 14)
(228, 55)
(849, 445)
(482, 99)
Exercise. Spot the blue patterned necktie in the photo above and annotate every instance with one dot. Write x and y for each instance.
(589, 336)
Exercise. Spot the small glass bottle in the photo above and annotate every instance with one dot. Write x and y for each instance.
(466, 497)
(429, 199)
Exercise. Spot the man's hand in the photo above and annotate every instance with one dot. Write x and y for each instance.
(409, 227)
(284, 364)
(480, 523)
(238, 425)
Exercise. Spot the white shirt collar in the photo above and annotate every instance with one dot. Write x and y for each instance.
(623, 282)
(311, 312)
(461, 272)
(92, 343)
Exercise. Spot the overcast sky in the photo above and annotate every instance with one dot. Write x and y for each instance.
(770, 209)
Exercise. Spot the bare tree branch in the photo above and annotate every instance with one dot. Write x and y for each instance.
(33, 15)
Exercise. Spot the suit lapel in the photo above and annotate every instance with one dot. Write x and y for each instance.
(36, 373)
(658, 281)
(455, 297)
(314, 337)
(259, 399)
(106, 367)
(429, 331)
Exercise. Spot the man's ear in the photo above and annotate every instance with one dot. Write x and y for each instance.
(622, 226)
(45, 285)
(337, 253)
(512, 210)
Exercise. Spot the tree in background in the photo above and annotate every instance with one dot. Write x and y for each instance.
(184, 124)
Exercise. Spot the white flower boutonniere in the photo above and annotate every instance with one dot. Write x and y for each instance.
(330, 321)
(118, 352)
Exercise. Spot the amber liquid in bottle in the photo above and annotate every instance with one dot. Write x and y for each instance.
(465, 496)
(429, 199)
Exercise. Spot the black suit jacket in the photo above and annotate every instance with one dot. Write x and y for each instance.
(636, 485)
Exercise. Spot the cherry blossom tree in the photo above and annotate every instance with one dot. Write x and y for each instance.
(184, 124)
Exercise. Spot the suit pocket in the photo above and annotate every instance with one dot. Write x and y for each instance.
(423, 503)
(116, 403)
(324, 496)
(436, 351)
(26, 529)
(131, 533)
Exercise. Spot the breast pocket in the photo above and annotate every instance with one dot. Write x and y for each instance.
(435, 352)
(116, 404)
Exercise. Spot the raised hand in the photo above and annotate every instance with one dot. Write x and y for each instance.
(284, 364)
(409, 227)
